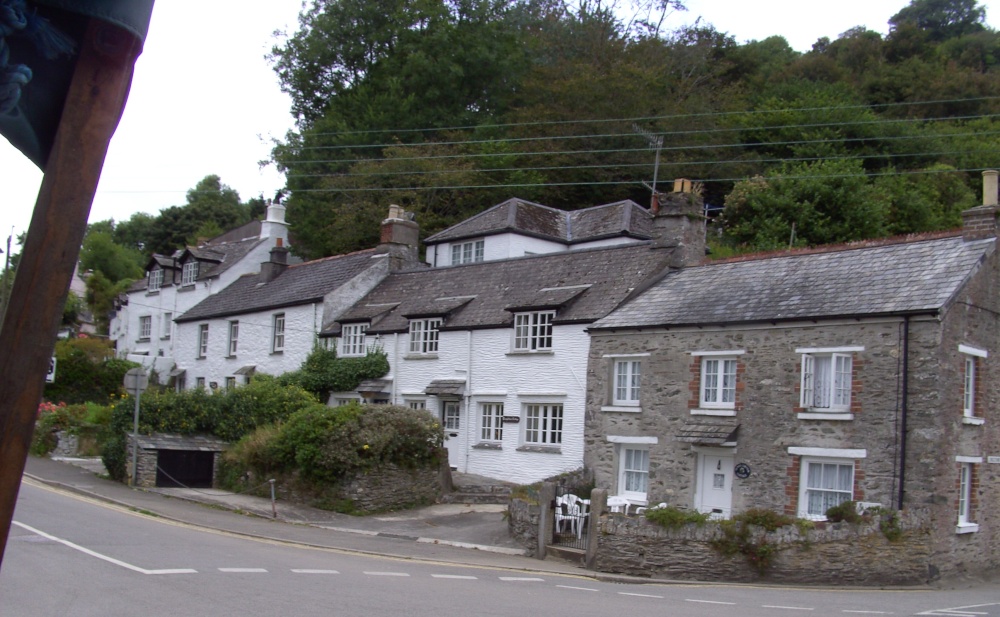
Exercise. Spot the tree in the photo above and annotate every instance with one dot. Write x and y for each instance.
(942, 19)
(115, 262)
(210, 201)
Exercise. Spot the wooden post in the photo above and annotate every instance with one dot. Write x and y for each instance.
(91, 112)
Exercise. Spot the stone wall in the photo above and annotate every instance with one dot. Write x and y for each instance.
(392, 488)
(522, 522)
(830, 554)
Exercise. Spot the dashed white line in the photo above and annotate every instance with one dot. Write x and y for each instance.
(576, 588)
(790, 608)
(461, 577)
(315, 571)
(639, 595)
(386, 573)
(869, 612)
(522, 579)
(111, 560)
(709, 602)
(243, 570)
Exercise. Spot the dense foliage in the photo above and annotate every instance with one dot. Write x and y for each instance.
(325, 445)
(323, 372)
(449, 107)
(87, 371)
(227, 414)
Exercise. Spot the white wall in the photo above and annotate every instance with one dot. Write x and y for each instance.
(493, 375)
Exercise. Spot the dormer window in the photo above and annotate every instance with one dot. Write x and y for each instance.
(424, 336)
(533, 331)
(190, 273)
(467, 252)
(155, 280)
(352, 339)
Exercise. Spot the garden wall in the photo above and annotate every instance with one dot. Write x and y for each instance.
(829, 554)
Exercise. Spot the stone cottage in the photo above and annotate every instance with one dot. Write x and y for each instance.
(801, 380)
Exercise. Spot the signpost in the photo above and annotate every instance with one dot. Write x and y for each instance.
(136, 381)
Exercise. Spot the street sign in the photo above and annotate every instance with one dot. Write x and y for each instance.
(136, 381)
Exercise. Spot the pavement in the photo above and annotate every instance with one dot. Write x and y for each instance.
(464, 534)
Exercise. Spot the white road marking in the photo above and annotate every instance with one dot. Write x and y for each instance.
(638, 595)
(461, 577)
(243, 570)
(709, 601)
(576, 588)
(959, 611)
(869, 612)
(315, 571)
(521, 578)
(790, 608)
(386, 573)
(111, 560)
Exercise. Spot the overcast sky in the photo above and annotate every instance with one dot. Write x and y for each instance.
(205, 101)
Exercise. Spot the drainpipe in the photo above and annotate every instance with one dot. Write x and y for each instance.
(394, 368)
(903, 403)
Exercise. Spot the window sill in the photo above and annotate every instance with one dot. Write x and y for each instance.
(541, 449)
(186, 287)
(200, 357)
(164, 338)
(278, 352)
(713, 412)
(622, 408)
(231, 356)
(487, 446)
(835, 416)
(974, 421)
(154, 292)
(142, 340)
(421, 356)
(350, 355)
(966, 528)
(525, 352)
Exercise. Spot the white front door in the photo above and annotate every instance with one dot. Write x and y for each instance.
(451, 421)
(715, 485)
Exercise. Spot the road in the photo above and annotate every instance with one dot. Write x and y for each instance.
(71, 556)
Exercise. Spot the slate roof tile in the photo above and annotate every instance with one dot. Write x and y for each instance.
(894, 278)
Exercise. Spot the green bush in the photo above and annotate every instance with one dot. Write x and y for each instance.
(323, 372)
(674, 518)
(87, 370)
(227, 414)
(845, 512)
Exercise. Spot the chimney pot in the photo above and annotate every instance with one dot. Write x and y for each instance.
(990, 187)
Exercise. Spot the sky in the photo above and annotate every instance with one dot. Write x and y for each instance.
(204, 99)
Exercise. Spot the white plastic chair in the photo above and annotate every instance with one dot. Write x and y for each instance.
(579, 509)
(617, 503)
(566, 512)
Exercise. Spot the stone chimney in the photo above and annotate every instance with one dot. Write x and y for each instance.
(981, 222)
(679, 224)
(400, 238)
(272, 268)
(274, 226)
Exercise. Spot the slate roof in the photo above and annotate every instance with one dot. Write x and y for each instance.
(623, 218)
(215, 260)
(890, 279)
(298, 284)
(484, 294)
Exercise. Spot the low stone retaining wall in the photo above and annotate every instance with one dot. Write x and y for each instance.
(830, 554)
(392, 488)
(522, 522)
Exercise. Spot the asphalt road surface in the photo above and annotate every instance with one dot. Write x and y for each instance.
(68, 555)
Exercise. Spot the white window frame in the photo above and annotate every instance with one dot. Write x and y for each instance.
(352, 339)
(626, 389)
(234, 335)
(189, 272)
(155, 280)
(167, 327)
(970, 379)
(417, 404)
(543, 424)
(424, 335)
(805, 490)
(533, 331)
(199, 382)
(278, 333)
(467, 252)
(966, 470)
(231, 383)
(633, 472)
(451, 415)
(491, 421)
(809, 456)
(203, 340)
(835, 381)
(719, 384)
(145, 327)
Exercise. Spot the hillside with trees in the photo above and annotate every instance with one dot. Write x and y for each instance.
(448, 107)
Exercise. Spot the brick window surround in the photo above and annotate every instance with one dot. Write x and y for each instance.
(694, 386)
(793, 475)
(857, 365)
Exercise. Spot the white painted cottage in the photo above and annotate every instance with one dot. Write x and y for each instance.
(269, 321)
(143, 325)
(495, 341)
